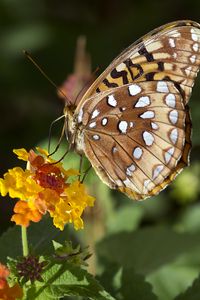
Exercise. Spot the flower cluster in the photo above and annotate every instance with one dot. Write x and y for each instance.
(44, 187)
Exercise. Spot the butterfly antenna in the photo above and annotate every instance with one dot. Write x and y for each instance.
(28, 55)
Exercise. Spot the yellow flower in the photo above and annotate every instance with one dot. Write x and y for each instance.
(21, 154)
(19, 184)
(71, 206)
(44, 187)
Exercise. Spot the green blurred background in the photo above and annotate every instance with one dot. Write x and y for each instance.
(28, 103)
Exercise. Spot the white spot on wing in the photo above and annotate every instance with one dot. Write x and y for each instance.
(131, 124)
(162, 87)
(128, 183)
(148, 138)
(118, 182)
(173, 116)
(120, 67)
(175, 33)
(154, 125)
(172, 42)
(134, 89)
(114, 149)
(137, 153)
(146, 183)
(92, 125)
(130, 170)
(195, 47)
(168, 154)
(123, 125)
(174, 135)
(95, 113)
(112, 101)
(193, 58)
(148, 114)
(170, 100)
(96, 137)
(143, 101)
(104, 121)
(194, 35)
(188, 70)
(158, 169)
(80, 116)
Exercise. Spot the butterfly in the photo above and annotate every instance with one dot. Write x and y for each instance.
(133, 123)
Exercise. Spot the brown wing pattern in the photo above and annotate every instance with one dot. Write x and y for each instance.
(135, 135)
(170, 52)
(134, 118)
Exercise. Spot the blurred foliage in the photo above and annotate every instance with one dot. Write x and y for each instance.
(157, 238)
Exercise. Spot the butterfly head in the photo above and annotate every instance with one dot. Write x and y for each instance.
(73, 129)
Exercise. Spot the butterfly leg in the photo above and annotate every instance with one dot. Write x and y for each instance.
(60, 139)
(85, 173)
(80, 167)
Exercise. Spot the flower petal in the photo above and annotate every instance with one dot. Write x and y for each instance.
(21, 154)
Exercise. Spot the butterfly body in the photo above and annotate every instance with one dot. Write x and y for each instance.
(133, 123)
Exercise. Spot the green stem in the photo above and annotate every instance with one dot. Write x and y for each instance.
(24, 240)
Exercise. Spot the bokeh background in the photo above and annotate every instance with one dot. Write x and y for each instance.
(28, 102)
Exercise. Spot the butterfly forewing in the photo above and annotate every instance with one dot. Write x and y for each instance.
(134, 119)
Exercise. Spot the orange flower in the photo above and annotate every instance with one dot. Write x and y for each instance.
(43, 187)
(7, 292)
(4, 273)
(24, 214)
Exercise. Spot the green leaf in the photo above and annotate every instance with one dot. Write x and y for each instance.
(110, 278)
(126, 218)
(67, 280)
(146, 249)
(11, 244)
(125, 284)
(192, 293)
(40, 236)
(171, 280)
(189, 220)
(133, 286)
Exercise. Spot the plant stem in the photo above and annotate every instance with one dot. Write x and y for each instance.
(24, 240)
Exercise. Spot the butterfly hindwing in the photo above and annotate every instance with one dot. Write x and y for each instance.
(134, 136)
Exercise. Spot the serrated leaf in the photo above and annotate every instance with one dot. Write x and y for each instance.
(134, 286)
(67, 280)
(146, 249)
(192, 293)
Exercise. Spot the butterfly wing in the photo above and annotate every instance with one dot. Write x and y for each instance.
(139, 142)
(170, 52)
(134, 136)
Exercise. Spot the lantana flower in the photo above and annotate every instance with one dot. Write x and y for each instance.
(44, 187)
